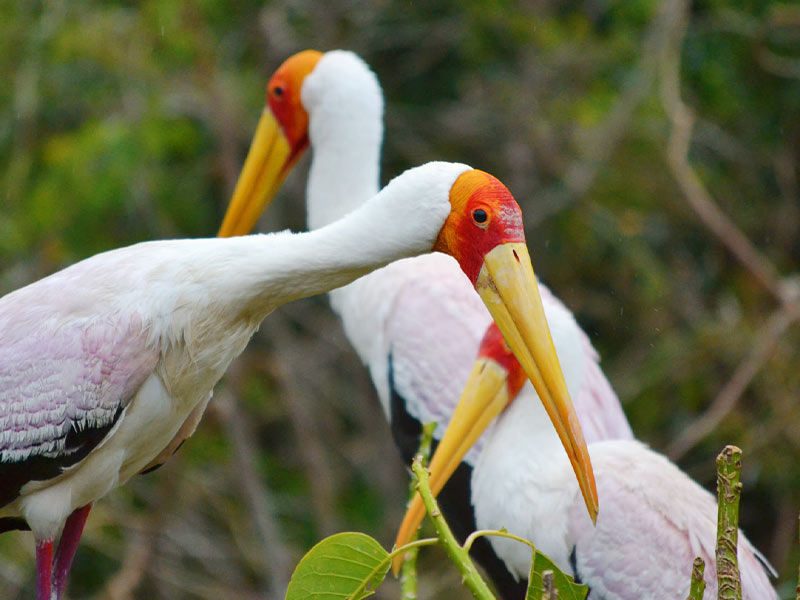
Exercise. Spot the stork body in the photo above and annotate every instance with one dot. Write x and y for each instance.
(416, 323)
(106, 364)
(654, 520)
(134, 340)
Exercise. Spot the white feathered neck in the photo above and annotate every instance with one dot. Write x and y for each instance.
(345, 106)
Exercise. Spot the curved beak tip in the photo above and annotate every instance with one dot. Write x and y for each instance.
(508, 287)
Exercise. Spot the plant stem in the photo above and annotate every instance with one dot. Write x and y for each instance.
(698, 586)
(467, 545)
(457, 554)
(729, 489)
(408, 573)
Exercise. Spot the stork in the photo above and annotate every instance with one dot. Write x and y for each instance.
(417, 323)
(655, 519)
(103, 365)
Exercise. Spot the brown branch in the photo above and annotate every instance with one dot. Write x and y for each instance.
(141, 548)
(289, 363)
(694, 191)
(256, 495)
(137, 558)
(760, 352)
(599, 144)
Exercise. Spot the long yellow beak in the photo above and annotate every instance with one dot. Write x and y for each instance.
(485, 396)
(268, 161)
(508, 287)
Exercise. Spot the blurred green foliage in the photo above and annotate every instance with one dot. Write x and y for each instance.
(128, 121)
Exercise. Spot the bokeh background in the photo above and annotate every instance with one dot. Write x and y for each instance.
(653, 145)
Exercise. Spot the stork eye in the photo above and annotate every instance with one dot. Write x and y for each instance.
(479, 216)
(278, 91)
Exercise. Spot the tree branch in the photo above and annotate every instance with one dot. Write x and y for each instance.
(695, 193)
(760, 352)
(257, 497)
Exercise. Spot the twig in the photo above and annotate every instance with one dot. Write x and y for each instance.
(729, 396)
(316, 459)
(408, 573)
(258, 499)
(495, 533)
(599, 144)
(549, 590)
(698, 585)
(729, 489)
(472, 580)
(142, 549)
(695, 193)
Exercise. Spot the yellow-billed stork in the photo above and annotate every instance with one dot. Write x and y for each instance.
(416, 323)
(103, 364)
(655, 519)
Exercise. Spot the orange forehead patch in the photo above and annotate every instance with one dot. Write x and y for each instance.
(483, 214)
(284, 97)
(295, 68)
(470, 182)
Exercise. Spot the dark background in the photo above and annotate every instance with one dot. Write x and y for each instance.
(653, 146)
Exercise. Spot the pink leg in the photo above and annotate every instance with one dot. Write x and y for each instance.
(68, 545)
(44, 569)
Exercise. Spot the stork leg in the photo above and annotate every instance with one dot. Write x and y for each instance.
(44, 569)
(67, 546)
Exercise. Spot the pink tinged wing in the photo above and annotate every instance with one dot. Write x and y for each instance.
(61, 374)
(432, 330)
(655, 520)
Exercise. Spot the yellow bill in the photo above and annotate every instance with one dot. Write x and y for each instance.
(508, 287)
(485, 396)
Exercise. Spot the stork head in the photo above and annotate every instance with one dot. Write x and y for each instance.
(495, 380)
(339, 87)
(281, 138)
(484, 232)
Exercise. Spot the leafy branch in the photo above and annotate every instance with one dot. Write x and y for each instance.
(458, 555)
(352, 565)
(408, 574)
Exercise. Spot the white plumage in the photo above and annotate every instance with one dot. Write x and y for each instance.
(422, 311)
(417, 324)
(103, 363)
(653, 521)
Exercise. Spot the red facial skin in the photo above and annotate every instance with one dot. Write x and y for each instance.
(466, 238)
(494, 347)
(284, 100)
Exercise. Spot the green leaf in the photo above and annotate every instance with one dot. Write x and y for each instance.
(342, 566)
(566, 586)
